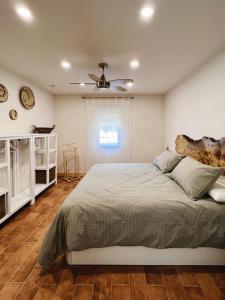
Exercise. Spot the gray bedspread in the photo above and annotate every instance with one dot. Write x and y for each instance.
(129, 205)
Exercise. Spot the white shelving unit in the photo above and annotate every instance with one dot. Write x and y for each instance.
(28, 165)
(4, 177)
(20, 172)
(45, 153)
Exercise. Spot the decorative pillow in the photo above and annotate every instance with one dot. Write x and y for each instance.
(217, 192)
(194, 177)
(167, 161)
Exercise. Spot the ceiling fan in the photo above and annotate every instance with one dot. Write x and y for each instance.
(103, 83)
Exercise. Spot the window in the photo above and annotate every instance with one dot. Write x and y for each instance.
(108, 136)
(108, 128)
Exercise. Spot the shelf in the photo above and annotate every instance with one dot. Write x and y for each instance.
(3, 165)
(45, 167)
(41, 187)
(38, 135)
(44, 150)
(53, 181)
(41, 151)
(20, 199)
(52, 150)
(3, 191)
(16, 136)
(4, 218)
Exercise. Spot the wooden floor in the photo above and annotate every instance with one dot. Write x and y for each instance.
(21, 277)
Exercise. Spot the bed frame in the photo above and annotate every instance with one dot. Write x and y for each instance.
(206, 150)
(138, 255)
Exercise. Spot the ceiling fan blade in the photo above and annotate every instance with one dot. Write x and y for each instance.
(121, 81)
(85, 83)
(94, 77)
(118, 88)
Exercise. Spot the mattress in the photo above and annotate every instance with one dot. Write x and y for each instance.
(129, 204)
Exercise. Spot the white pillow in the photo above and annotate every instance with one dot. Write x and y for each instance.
(217, 192)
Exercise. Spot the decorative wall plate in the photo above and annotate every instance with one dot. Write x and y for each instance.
(13, 114)
(27, 97)
(3, 93)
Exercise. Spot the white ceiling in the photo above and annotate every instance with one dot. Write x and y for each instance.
(182, 35)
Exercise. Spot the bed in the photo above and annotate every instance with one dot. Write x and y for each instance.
(131, 213)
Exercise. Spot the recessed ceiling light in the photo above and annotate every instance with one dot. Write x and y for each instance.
(146, 12)
(66, 65)
(130, 84)
(134, 64)
(24, 13)
(82, 84)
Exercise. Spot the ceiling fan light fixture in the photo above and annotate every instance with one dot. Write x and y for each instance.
(103, 84)
(130, 84)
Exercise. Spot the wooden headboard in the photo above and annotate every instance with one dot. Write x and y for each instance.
(206, 150)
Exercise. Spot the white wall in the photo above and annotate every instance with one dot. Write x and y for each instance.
(42, 114)
(197, 106)
(147, 126)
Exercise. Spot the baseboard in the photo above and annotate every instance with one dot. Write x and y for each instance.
(72, 174)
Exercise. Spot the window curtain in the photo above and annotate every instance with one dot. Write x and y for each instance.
(107, 114)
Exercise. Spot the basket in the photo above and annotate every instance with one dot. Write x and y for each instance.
(2, 205)
(42, 129)
(41, 175)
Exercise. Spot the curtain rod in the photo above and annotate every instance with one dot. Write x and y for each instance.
(110, 97)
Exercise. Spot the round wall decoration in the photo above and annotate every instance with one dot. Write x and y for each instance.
(27, 97)
(13, 114)
(3, 93)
